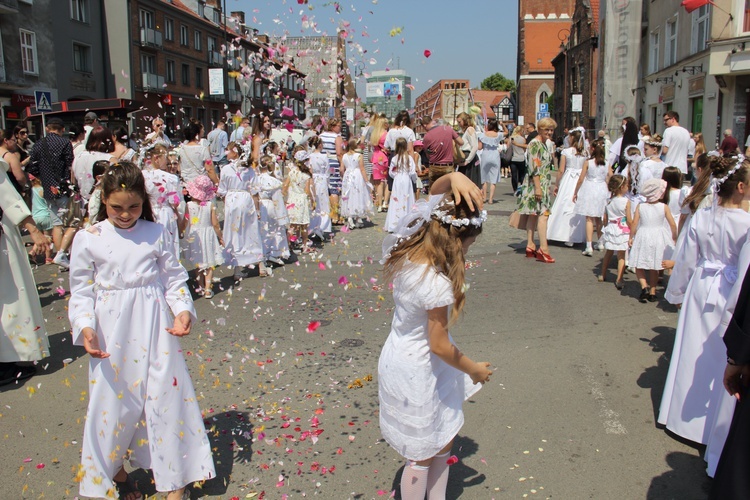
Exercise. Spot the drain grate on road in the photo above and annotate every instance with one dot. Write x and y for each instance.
(352, 342)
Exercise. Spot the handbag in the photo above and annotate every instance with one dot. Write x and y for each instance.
(74, 213)
(508, 153)
(459, 157)
(518, 220)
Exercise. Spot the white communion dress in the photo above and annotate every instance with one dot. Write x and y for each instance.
(421, 396)
(125, 284)
(165, 194)
(241, 232)
(355, 195)
(694, 404)
(273, 217)
(564, 223)
(402, 194)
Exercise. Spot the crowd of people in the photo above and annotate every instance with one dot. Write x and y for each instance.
(129, 222)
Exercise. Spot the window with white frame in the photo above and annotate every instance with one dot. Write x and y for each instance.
(701, 29)
(169, 29)
(653, 52)
(81, 57)
(28, 52)
(670, 44)
(79, 10)
(147, 19)
(184, 36)
(197, 40)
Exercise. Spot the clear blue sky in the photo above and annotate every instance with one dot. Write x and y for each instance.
(468, 39)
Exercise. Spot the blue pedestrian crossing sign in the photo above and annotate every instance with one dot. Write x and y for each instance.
(43, 100)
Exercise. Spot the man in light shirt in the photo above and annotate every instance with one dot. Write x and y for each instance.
(158, 134)
(676, 142)
(237, 134)
(217, 144)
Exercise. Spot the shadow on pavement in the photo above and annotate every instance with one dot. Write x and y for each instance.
(687, 479)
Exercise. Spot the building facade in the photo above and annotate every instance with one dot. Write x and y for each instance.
(445, 100)
(27, 57)
(542, 26)
(388, 91)
(330, 85)
(688, 68)
(577, 70)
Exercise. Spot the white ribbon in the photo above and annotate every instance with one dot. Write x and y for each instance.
(420, 213)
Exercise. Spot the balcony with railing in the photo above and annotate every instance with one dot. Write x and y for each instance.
(215, 59)
(152, 81)
(151, 38)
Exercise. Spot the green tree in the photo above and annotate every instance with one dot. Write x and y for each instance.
(498, 82)
(551, 103)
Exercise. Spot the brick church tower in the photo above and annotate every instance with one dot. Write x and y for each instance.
(542, 26)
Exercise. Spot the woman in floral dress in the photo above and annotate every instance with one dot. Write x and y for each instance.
(535, 199)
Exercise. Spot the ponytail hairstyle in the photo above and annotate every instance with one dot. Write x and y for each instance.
(314, 142)
(599, 154)
(700, 189)
(615, 184)
(673, 176)
(633, 166)
(266, 163)
(401, 154)
(576, 142)
(124, 176)
(99, 167)
(727, 173)
(440, 245)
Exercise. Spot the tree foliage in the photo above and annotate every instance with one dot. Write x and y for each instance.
(498, 82)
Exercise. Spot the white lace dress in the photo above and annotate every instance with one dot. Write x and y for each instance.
(164, 193)
(356, 200)
(201, 248)
(652, 238)
(593, 194)
(421, 396)
(402, 194)
(241, 229)
(320, 219)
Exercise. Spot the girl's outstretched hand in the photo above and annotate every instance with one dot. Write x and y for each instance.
(182, 324)
(481, 372)
(91, 344)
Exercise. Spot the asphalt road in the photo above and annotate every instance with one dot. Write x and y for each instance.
(569, 413)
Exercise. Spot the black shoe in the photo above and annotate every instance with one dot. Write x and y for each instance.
(644, 296)
(652, 298)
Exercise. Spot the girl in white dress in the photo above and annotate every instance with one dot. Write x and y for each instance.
(403, 171)
(652, 156)
(650, 238)
(564, 223)
(273, 215)
(124, 284)
(320, 221)
(299, 196)
(591, 194)
(203, 241)
(616, 232)
(356, 199)
(694, 404)
(423, 378)
(165, 195)
(241, 230)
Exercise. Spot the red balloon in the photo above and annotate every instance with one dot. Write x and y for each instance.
(427, 53)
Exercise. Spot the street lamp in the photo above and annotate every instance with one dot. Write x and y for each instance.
(359, 69)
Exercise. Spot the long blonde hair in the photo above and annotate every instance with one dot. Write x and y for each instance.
(441, 246)
(378, 128)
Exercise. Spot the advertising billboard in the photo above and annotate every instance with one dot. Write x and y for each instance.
(383, 89)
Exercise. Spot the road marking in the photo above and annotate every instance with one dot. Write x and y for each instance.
(612, 424)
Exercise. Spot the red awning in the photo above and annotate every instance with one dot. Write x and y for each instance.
(60, 109)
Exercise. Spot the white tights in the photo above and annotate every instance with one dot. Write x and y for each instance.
(418, 481)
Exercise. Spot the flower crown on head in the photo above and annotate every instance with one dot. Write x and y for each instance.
(422, 211)
(718, 181)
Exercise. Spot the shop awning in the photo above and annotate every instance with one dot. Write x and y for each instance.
(61, 109)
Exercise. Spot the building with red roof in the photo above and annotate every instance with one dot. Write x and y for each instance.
(543, 25)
